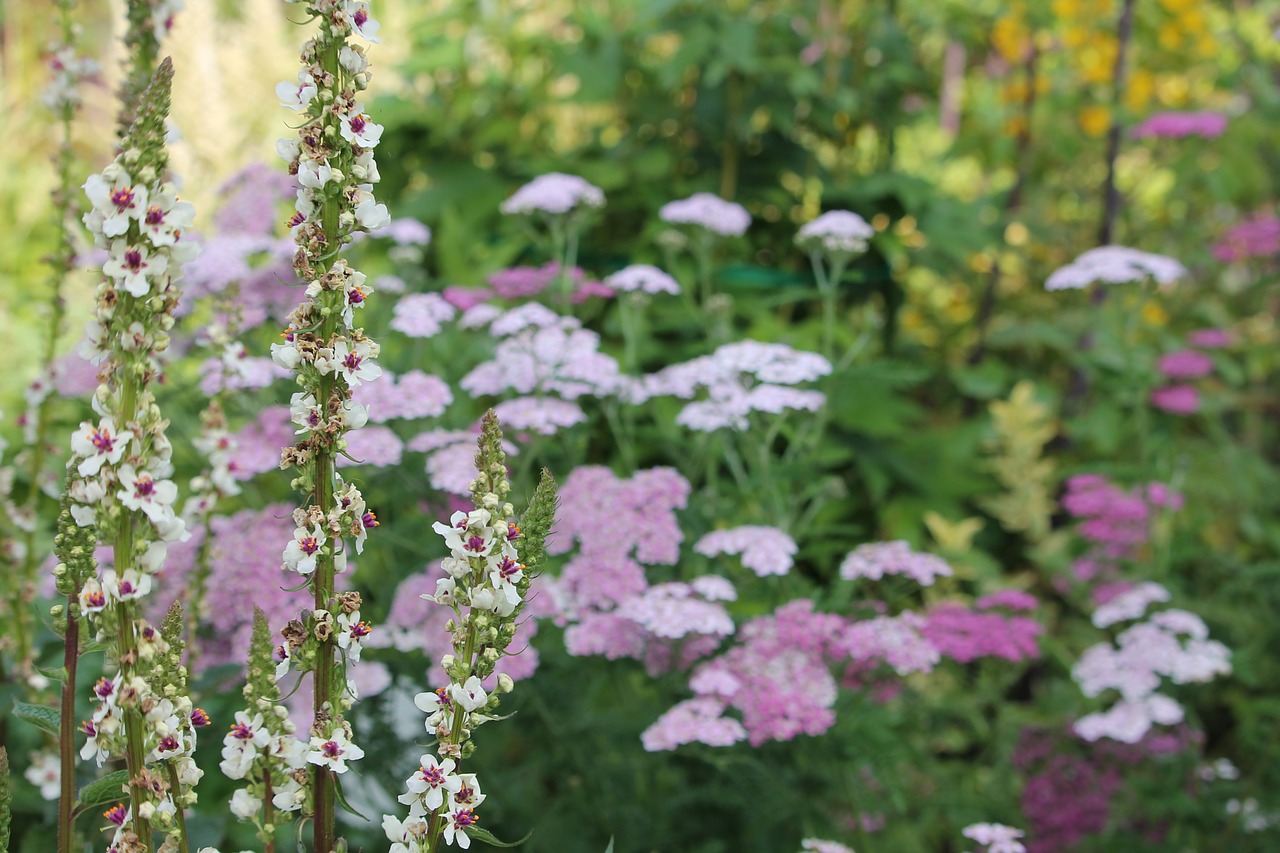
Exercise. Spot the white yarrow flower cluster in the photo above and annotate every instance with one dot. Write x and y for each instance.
(553, 194)
(1115, 265)
(1171, 644)
(707, 211)
(836, 232)
(643, 278)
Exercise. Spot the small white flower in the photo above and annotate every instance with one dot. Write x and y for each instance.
(140, 491)
(314, 175)
(301, 553)
(45, 773)
(351, 634)
(470, 696)
(358, 129)
(355, 363)
(429, 785)
(129, 587)
(369, 213)
(133, 267)
(244, 805)
(166, 217)
(296, 96)
(334, 752)
(115, 202)
(305, 412)
(357, 14)
(98, 445)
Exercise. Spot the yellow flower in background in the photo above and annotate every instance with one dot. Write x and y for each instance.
(1154, 314)
(1094, 120)
(1011, 37)
(1177, 6)
(1170, 35)
(953, 536)
(1142, 85)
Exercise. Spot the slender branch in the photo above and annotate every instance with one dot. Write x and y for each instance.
(1110, 193)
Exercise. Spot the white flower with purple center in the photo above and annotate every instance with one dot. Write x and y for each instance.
(98, 445)
(305, 412)
(359, 129)
(428, 787)
(467, 534)
(351, 634)
(707, 211)
(456, 826)
(334, 752)
(553, 194)
(836, 232)
(313, 174)
(130, 586)
(287, 354)
(141, 492)
(357, 15)
(301, 553)
(644, 278)
(297, 96)
(355, 363)
(242, 744)
(93, 598)
(166, 217)
(357, 291)
(133, 267)
(45, 772)
(115, 202)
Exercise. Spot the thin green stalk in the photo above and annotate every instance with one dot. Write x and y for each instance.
(67, 726)
(174, 787)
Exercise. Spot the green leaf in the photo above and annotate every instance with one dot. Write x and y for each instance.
(487, 837)
(46, 719)
(342, 798)
(100, 792)
(609, 849)
(58, 674)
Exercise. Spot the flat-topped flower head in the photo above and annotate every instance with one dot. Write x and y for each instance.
(836, 232)
(998, 837)
(708, 211)
(877, 559)
(643, 278)
(554, 194)
(1115, 265)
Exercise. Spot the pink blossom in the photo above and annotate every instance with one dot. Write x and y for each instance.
(464, 298)
(1211, 338)
(422, 315)
(1256, 237)
(1011, 599)
(372, 447)
(1177, 399)
(73, 376)
(260, 441)
(877, 559)
(1174, 125)
(543, 415)
(765, 550)
(413, 395)
(1185, 364)
(698, 720)
(965, 635)
(708, 211)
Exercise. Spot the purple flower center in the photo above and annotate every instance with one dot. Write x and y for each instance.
(199, 718)
(243, 731)
(122, 198)
(361, 17)
(513, 532)
(475, 543)
(433, 777)
(352, 361)
(104, 688)
(145, 487)
(331, 749)
(355, 296)
(133, 260)
(115, 814)
(155, 215)
(96, 599)
(294, 221)
(89, 728)
(167, 744)
(357, 125)
(126, 588)
(360, 629)
(465, 817)
(369, 520)
(102, 440)
(508, 568)
(309, 545)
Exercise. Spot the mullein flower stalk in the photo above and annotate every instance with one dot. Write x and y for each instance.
(121, 463)
(147, 23)
(73, 546)
(261, 748)
(63, 98)
(485, 586)
(332, 157)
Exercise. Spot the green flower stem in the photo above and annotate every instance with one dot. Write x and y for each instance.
(67, 725)
(174, 788)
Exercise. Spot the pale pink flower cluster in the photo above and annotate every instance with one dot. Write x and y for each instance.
(698, 720)
(875, 560)
(410, 396)
(765, 550)
(643, 278)
(69, 70)
(708, 211)
(1171, 643)
(422, 315)
(451, 456)
(1178, 125)
(553, 194)
(1255, 237)
(738, 379)
(836, 232)
(1115, 265)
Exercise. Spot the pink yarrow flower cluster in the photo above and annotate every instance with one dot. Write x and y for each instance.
(709, 212)
(553, 194)
(1255, 237)
(836, 232)
(1115, 521)
(1173, 125)
(764, 550)
(875, 560)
